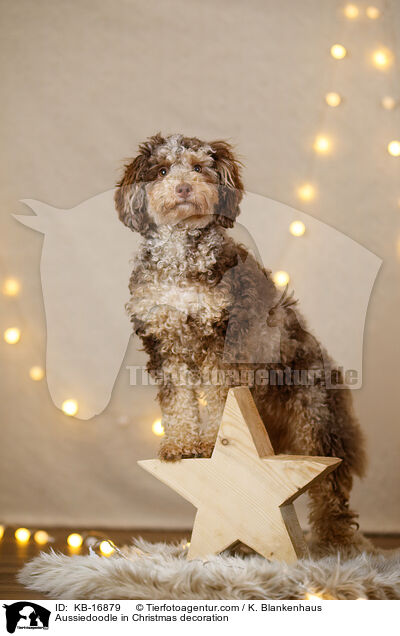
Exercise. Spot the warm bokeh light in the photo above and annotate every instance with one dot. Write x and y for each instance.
(203, 400)
(351, 11)
(12, 335)
(306, 192)
(394, 148)
(388, 103)
(70, 407)
(281, 278)
(36, 373)
(158, 428)
(382, 58)
(11, 287)
(41, 537)
(333, 99)
(22, 535)
(297, 228)
(373, 13)
(338, 51)
(2, 528)
(74, 540)
(322, 144)
(313, 597)
(106, 548)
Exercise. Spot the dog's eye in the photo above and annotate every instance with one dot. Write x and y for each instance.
(197, 168)
(162, 172)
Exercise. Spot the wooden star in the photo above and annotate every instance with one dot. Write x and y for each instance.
(244, 492)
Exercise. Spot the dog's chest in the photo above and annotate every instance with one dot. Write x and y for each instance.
(167, 303)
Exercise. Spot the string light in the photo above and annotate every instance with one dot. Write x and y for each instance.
(351, 11)
(70, 407)
(333, 99)
(36, 373)
(12, 335)
(297, 228)
(394, 148)
(338, 51)
(90, 541)
(41, 537)
(74, 540)
(281, 278)
(382, 58)
(312, 597)
(2, 528)
(11, 287)
(388, 103)
(22, 535)
(306, 192)
(373, 13)
(106, 548)
(158, 428)
(322, 144)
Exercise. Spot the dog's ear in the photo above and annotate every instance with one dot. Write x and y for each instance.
(231, 188)
(130, 196)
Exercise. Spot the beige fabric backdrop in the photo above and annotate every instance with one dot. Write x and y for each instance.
(83, 83)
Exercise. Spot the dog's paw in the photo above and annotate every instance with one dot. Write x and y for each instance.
(348, 548)
(170, 452)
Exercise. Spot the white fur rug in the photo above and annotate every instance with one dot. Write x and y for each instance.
(160, 571)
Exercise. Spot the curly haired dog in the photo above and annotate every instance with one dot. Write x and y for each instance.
(203, 306)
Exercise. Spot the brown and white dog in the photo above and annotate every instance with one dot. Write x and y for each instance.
(193, 289)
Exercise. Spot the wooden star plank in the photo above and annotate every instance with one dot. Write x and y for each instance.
(244, 492)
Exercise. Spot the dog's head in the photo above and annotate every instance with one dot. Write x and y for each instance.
(179, 179)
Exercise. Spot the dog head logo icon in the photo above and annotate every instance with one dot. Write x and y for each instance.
(86, 265)
(26, 615)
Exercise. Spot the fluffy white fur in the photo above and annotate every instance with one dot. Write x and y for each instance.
(161, 571)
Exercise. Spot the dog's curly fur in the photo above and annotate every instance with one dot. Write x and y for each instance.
(201, 303)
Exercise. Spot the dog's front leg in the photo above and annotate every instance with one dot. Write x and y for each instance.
(181, 421)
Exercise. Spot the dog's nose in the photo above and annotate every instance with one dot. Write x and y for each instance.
(183, 190)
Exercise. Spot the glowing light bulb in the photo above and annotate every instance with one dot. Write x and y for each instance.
(373, 13)
(41, 537)
(281, 278)
(306, 192)
(338, 51)
(394, 148)
(2, 528)
(36, 373)
(297, 228)
(22, 535)
(70, 407)
(388, 103)
(106, 548)
(11, 287)
(74, 540)
(333, 99)
(12, 335)
(382, 58)
(158, 428)
(351, 11)
(322, 144)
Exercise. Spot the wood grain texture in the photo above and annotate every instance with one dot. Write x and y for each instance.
(244, 492)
